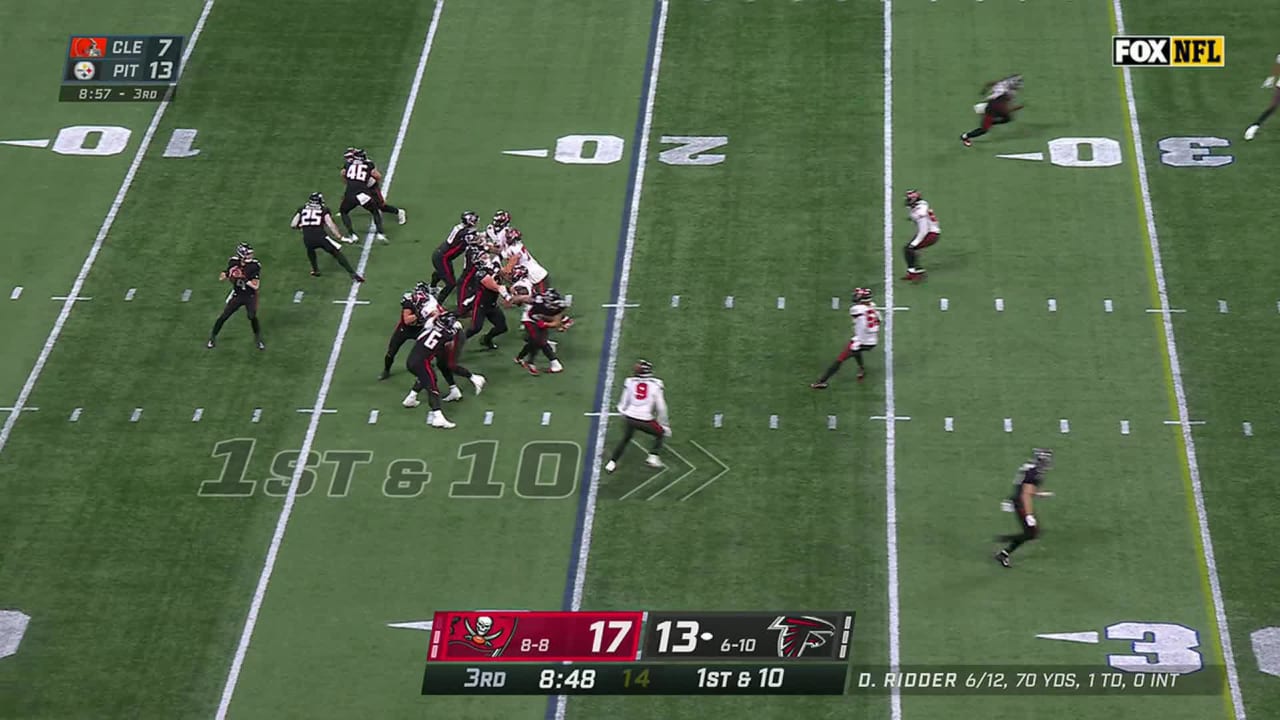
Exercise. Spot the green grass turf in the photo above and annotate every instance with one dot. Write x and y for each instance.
(138, 587)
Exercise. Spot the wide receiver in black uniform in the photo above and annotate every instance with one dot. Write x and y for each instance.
(418, 308)
(1026, 486)
(320, 232)
(437, 344)
(243, 271)
(452, 247)
(364, 189)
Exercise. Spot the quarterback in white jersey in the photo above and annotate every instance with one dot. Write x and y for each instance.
(997, 108)
(1272, 81)
(927, 233)
(643, 407)
(866, 334)
(515, 254)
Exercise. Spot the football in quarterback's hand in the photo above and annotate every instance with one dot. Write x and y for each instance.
(235, 273)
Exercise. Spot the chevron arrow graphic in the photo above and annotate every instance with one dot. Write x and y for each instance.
(714, 461)
(676, 466)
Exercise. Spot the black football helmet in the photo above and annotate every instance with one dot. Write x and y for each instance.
(244, 251)
(316, 198)
(1043, 458)
(447, 321)
(470, 218)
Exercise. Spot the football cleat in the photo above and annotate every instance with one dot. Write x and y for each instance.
(384, 374)
(533, 369)
(1252, 132)
(610, 466)
(1002, 557)
(488, 344)
(261, 345)
(400, 216)
(965, 139)
(436, 419)
(381, 238)
(454, 394)
(315, 273)
(653, 461)
(211, 344)
(914, 276)
(861, 374)
(357, 277)
(556, 367)
(478, 381)
(821, 385)
(411, 400)
(350, 239)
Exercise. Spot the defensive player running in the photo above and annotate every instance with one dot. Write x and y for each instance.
(1272, 81)
(1025, 487)
(515, 254)
(927, 233)
(644, 407)
(997, 109)
(453, 246)
(866, 333)
(320, 232)
(545, 312)
(418, 309)
(243, 271)
(364, 189)
(496, 232)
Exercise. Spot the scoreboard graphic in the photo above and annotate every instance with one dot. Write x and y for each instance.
(638, 653)
(121, 68)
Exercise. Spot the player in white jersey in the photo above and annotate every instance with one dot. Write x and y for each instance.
(644, 407)
(927, 233)
(1272, 81)
(495, 234)
(515, 254)
(866, 334)
(997, 108)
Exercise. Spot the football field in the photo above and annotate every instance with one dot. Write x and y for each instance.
(235, 533)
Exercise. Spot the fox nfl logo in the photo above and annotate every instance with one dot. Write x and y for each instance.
(1169, 51)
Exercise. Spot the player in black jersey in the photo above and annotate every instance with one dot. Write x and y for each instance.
(364, 189)
(320, 232)
(243, 271)
(452, 247)
(476, 254)
(544, 313)
(436, 345)
(482, 297)
(1026, 486)
(418, 308)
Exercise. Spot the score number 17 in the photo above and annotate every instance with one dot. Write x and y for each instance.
(621, 629)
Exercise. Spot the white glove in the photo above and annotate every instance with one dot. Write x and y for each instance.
(1031, 520)
(980, 108)
(1269, 82)
(666, 431)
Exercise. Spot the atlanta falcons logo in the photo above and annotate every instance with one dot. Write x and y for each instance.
(797, 634)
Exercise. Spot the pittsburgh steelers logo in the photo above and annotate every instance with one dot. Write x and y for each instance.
(85, 70)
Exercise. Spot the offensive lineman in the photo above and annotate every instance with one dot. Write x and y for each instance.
(436, 345)
(243, 270)
(364, 189)
(320, 232)
(418, 309)
(482, 297)
(452, 247)
(866, 333)
(1272, 81)
(997, 109)
(544, 312)
(927, 233)
(644, 407)
(1025, 487)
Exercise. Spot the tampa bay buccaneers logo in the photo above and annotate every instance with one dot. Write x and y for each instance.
(483, 635)
(799, 633)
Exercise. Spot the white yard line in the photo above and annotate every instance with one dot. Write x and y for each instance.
(69, 300)
(890, 406)
(624, 282)
(1180, 395)
(308, 440)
